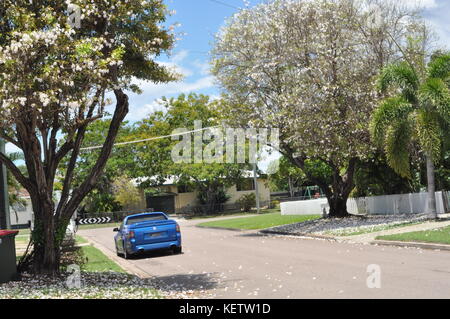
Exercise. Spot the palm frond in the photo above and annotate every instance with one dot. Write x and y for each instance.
(402, 76)
(397, 142)
(434, 95)
(390, 111)
(429, 133)
(439, 67)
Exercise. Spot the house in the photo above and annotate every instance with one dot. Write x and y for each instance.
(171, 197)
(21, 214)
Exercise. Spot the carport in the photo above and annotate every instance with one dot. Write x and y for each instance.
(164, 202)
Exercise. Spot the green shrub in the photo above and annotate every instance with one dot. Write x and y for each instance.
(247, 202)
(274, 204)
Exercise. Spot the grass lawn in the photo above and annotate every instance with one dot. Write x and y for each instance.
(259, 222)
(98, 261)
(441, 236)
(22, 239)
(80, 240)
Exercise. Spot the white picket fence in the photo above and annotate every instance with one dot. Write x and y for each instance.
(377, 205)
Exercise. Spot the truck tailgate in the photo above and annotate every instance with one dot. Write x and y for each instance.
(155, 232)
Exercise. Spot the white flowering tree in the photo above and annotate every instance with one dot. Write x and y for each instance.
(58, 61)
(309, 68)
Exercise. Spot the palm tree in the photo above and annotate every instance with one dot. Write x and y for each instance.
(417, 109)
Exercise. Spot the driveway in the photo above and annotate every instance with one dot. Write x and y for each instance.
(232, 264)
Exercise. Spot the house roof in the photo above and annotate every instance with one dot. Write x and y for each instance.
(173, 180)
(23, 193)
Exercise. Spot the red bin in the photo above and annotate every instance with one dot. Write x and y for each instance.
(8, 267)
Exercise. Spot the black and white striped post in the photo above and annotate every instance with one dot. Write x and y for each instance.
(93, 221)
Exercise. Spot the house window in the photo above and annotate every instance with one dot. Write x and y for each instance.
(246, 185)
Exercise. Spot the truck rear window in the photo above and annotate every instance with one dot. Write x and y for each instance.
(142, 219)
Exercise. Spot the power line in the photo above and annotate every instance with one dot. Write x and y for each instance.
(225, 4)
(91, 148)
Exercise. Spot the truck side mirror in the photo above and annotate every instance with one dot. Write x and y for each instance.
(116, 230)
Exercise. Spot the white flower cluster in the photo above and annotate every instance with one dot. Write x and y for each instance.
(58, 68)
(308, 67)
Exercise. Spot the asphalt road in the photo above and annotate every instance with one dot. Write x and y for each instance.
(229, 264)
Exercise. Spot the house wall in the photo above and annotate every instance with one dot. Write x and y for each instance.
(191, 199)
(24, 214)
(263, 188)
(186, 199)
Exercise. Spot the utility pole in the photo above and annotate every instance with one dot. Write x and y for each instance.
(5, 222)
(255, 178)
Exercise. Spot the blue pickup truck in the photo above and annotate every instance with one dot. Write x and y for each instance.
(146, 232)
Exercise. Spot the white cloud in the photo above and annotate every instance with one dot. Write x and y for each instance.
(196, 78)
(203, 66)
(176, 87)
(175, 64)
(138, 113)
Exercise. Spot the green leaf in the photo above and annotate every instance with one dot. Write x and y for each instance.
(434, 95)
(429, 133)
(397, 143)
(401, 76)
(439, 67)
(390, 111)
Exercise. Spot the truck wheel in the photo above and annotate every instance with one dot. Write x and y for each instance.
(117, 252)
(125, 254)
(177, 250)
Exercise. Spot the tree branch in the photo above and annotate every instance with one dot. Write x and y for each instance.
(78, 194)
(24, 181)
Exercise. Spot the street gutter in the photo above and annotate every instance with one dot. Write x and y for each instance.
(429, 246)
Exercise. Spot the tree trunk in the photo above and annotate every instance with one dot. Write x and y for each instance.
(46, 260)
(431, 189)
(341, 185)
(338, 206)
(47, 237)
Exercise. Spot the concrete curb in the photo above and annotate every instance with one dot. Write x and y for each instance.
(429, 246)
(222, 228)
(275, 232)
(126, 265)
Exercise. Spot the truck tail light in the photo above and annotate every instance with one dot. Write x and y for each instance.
(178, 229)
